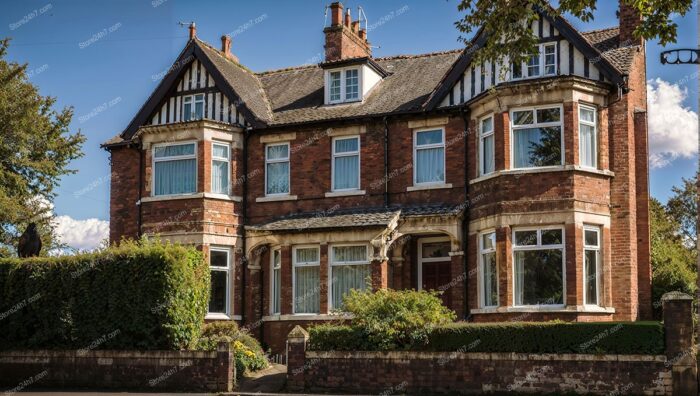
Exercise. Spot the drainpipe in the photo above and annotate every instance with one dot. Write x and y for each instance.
(465, 217)
(244, 220)
(386, 161)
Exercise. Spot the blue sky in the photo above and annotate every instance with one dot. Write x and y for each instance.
(101, 57)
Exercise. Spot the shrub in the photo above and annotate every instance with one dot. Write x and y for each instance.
(551, 337)
(247, 352)
(140, 295)
(395, 319)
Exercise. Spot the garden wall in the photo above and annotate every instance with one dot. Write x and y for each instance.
(137, 370)
(416, 372)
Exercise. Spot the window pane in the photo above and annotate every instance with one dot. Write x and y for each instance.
(220, 151)
(198, 110)
(523, 117)
(587, 115)
(526, 238)
(488, 164)
(346, 145)
(430, 165)
(533, 66)
(347, 277)
(488, 241)
(587, 142)
(552, 237)
(219, 285)
(548, 115)
(591, 237)
(280, 151)
(307, 255)
(539, 277)
(306, 290)
(218, 258)
(428, 137)
(436, 249)
(345, 172)
(276, 290)
(490, 280)
(174, 150)
(219, 178)
(537, 147)
(175, 177)
(349, 254)
(550, 59)
(591, 274)
(517, 71)
(276, 259)
(351, 84)
(335, 86)
(188, 114)
(487, 125)
(278, 178)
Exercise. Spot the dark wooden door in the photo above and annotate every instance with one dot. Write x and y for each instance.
(436, 276)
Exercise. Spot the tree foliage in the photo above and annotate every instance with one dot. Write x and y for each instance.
(683, 207)
(510, 20)
(35, 152)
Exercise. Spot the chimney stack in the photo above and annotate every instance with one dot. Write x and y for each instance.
(344, 38)
(629, 20)
(226, 48)
(193, 30)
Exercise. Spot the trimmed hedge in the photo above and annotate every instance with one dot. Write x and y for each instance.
(522, 337)
(144, 295)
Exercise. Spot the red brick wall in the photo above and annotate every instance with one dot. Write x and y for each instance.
(124, 184)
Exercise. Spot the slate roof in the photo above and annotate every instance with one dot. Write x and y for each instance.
(357, 218)
(607, 42)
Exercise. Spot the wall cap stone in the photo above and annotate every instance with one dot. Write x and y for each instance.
(676, 296)
(298, 334)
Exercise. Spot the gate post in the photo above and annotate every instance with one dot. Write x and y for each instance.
(296, 358)
(680, 351)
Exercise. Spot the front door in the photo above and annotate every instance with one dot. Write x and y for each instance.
(434, 264)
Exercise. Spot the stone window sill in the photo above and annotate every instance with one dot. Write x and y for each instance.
(433, 186)
(552, 309)
(274, 198)
(545, 169)
(192, 196)
(348, 193)
(221, 316)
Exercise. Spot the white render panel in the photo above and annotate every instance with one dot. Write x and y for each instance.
(578, 62)
(564, 57)
(370, 79)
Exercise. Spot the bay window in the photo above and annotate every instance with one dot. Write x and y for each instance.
(306, 274)
(219, 266)
(429, 157)
(193, 107)
(350, 268)
(537, 137)
(346, 163)
(540, 64)
(276, 281)
(488, 270)
(487, 162)
(588, 139)
(220, 168)
(174, 169)
(277, 169)
(538, 258)
(591, 265)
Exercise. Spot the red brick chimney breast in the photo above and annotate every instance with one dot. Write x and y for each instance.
(629, 20)
(345, 39)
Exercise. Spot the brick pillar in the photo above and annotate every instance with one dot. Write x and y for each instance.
(680, 351)
(324, 286)
(380, 273)
(296, 358)
(456, 286)
(643, 238)
(226, 369)
(287, 300)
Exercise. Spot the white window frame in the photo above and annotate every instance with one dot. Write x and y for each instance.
(539, 246)
(346, 154)
(173, 158)
(272, 281)
(483, 136)
(594, 124)
(278, 160)
(343, 85)
(194, 98)
(229, 284)
(294, 275)
(514, 127)
(482, 252)
(332, 263)
(429, 146)
(221, 159)
(422, 260)
(598, 249)
(524, 70)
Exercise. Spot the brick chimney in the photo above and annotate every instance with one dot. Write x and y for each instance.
(226, 48)
(629, 20)
(193, 31)
(345, 39)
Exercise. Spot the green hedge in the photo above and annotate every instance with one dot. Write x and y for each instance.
(144, 295)
(522, 337)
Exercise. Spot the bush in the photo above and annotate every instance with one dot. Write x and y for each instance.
(140, 295)
(247, 352)
(395, 319)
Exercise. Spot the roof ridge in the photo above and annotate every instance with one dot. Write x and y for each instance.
(601, 30)
(285, 69)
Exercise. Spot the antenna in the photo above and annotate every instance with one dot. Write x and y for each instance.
(325, 15)
(360, 15)
(192, 26)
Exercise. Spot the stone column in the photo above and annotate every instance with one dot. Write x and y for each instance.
(296, 358)
(680, 351)
(226, 369)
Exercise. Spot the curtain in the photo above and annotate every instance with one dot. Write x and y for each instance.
(347, 277)
(490, 280)
(587, 143)
(519, 277)
(346, 172)
(278, 178)
(174, 150)
(307, 289)
(307, 255)
(521, 148)
(219, 181)
(430, 165)
(219, 151)
(175, 177)
(348, 254)
(489, 164)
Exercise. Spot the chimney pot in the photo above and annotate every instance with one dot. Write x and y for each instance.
(226, 48)
(336, 13)
(348, 18)
(356, 27)
(363, 34)
(193, 31)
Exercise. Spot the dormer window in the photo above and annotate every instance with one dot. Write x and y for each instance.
(193, 107)
(344, 85)
(541, 64)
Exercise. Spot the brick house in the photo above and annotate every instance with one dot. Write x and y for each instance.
(520, 190)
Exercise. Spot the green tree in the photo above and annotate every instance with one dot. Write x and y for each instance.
(504, 19)
(35, 151)
(683, 207)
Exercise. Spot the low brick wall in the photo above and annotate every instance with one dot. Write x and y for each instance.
(132, 370)
(407, 372)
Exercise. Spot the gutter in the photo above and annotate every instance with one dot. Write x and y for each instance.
(465, 217)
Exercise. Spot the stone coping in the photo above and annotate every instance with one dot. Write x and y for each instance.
(87, 354)
(414, 355)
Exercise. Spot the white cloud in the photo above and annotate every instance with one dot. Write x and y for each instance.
(673, 128)
(81, 234)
